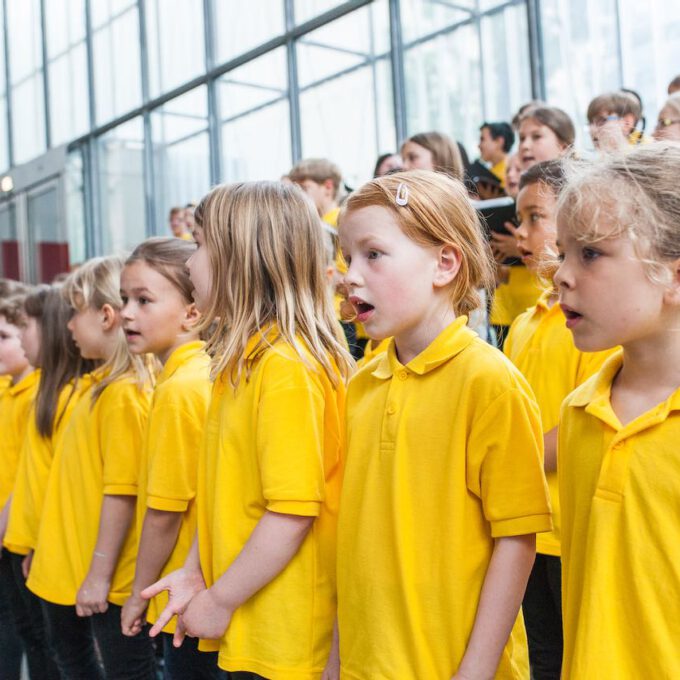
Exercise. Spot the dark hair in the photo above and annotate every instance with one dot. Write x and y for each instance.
(503, 130)
(463, 156)
(60, 360)
(381, 159)
(674, 84)
(548, 172)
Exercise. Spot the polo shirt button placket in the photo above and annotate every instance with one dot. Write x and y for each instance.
(402, 374)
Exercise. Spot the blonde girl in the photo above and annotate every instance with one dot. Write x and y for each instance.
(84, 556)
(618, 233)
(269, 481)
(443, 487)
(160, 318)
(433, 151)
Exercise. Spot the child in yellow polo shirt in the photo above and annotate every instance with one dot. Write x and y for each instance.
(83, 563)
(160, 318)
(618, 232)
(269, 478)
(541, 346)
(443, 488)
(15, 405)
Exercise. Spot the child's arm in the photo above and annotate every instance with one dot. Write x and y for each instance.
(4, 519)
(499, 603)
(550, 450)
(159, 535)
(116, 516)
(272, 545)
(332, 669)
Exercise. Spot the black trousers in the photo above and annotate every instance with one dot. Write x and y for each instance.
(542, 607)
(11, 647)
(187, 663)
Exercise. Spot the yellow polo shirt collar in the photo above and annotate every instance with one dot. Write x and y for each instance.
(451, 341)
(178, 357)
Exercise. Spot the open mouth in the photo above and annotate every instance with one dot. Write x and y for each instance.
(130, 334)
(363, 309)
(571, 315)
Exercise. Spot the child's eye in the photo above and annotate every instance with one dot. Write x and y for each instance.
(373, 254)
(535, 217)
(560, 257)
(589, 254)
(124, 298)
(143, 300)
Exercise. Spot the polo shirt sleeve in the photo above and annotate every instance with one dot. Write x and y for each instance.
(173, 450)
(290, 438)
(123, 420)
(505, 466)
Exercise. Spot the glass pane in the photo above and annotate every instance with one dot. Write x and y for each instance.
(650, 42)
(308, 9)
(25, 46)
(580, 55)
(117, 65)
(48, 240)
(349, 120)
(9, 243)
(257, 145)
(121, 177)
(102, 11)
(422, 17)
(181, 153)
(454, 59)
(174, 34)
(245, 25)
(28, 119)
(64, 25)
(69, 112)
(4, 153)
(507, 71)
(345, 43)
(258, 82)
(75, 208)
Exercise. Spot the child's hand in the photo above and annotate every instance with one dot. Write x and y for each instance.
(505, 245)
(205, 617)
(132, 616)
(91, 598)
(182, 585)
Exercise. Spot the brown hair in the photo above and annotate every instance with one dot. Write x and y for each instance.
(550, 173)
(60, 362)
(620, 103)
(167, 256)
(268, 264)
(446, 156)
(633, 194)
(12, 308)
(10, 287)
(318, 170)
(438, 213)
(555, 119)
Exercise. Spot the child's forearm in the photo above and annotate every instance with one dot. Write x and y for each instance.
(159, 535)
(550, 450)
(116, 517)
(499, 603)
(272, 545)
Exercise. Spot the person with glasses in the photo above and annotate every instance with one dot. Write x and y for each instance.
(613, 118)
(668, 123)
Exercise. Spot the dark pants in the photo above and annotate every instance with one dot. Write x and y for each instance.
(243, 675)
(11, 649)
(542, 607)
(31, 627)
(79, 643)
(187, 663)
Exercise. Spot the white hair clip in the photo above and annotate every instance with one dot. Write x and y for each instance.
(402, 195)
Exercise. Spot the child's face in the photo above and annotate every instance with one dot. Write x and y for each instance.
(392, 280)
(669, 132)
(88, 328)
(200, 271)
(489, 148)
(537, 143)
(30, 340)
(320, 193)
(13, 361)
(609, 131)
(536, 206)
(513, 170)
(416, 157)
(605, 292)
(156, 318)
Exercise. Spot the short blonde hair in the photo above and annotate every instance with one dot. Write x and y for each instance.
(630, 193)
(318, 170)
(94, 284)
(618, 102)
(438, 213)
(268, 263)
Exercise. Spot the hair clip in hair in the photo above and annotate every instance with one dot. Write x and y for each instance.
(402, 195)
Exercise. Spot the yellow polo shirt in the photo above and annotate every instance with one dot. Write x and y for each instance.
(34, 469)
(373, 348)
(275, 444)
(15, 407)
(167, 479)
(499, 170)
(98, 455)
(444, 455)
(515, 296)
(542, 347)
(620, 535)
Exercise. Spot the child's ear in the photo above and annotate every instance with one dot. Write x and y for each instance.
(448, 265)
(191, 317)
(328, 185)
(109, 317)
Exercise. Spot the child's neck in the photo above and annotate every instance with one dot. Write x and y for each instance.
(410, 345)
(20, 376)
(164, 355)
(327, 206)
(649, 375)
